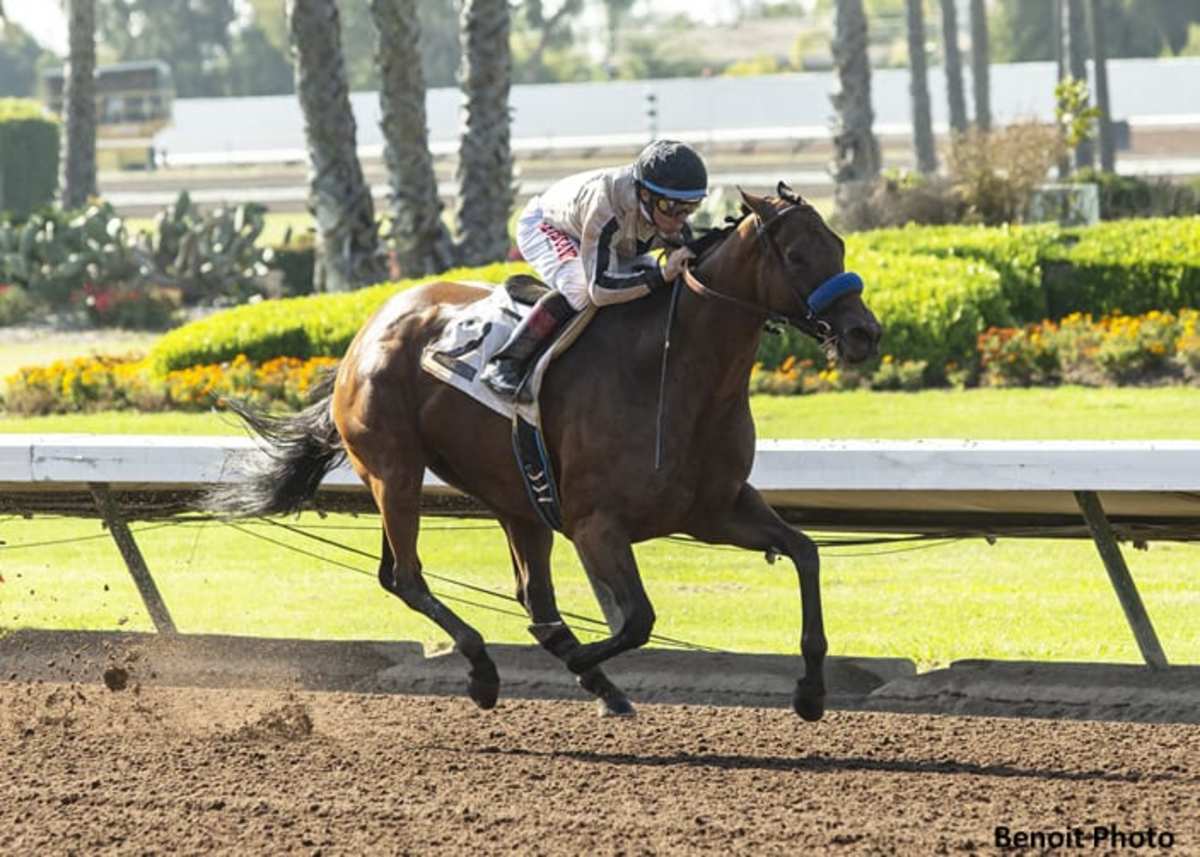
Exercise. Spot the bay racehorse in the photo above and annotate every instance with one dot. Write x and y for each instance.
(599, 404)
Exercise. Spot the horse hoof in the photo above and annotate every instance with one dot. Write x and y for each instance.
(615, 706)
(483, 693)
(809, 705)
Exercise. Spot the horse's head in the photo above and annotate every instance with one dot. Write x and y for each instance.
(802, 278)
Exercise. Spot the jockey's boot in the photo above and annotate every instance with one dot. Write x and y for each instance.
(506, 370)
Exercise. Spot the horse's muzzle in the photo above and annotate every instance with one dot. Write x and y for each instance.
(860, 342)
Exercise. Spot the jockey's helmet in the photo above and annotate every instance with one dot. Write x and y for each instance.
(670, 169)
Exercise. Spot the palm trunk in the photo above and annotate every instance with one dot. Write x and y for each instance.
(1108, 156)
(340, 200)
(856, 151)
(919, 89)
(1085, 153)
(419, 238)
(485, 171)
(954, 78)
(79, 107)
(981, 66)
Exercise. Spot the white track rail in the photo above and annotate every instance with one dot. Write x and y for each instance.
(1137, 490)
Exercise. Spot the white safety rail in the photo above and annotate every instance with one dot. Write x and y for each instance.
(1103, 490)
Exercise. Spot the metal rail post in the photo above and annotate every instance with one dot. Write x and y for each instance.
(151, 597)
(1122, 580)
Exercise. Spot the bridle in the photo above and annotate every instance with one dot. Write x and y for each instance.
(821, 298)
(810, 323)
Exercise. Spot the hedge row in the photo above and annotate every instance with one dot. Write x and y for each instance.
(936, 289)
(304, 327)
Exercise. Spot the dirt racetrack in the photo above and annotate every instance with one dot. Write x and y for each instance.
(87, 769)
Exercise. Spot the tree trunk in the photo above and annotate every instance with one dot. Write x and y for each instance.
(79, 107)
(981, 66)
(421, 241)
(856, 151)
(347, 236)
(954, 79)
(1085, 153)
(1108, 155)
(485, 157)
(919, 89)
(1060, 63)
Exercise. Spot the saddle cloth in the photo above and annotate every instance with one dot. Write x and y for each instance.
(478, 330)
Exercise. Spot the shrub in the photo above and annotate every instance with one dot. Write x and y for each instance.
(996, 172)
(28, 157)
(295, 260)
(312, 326)
(1133, 196)
(1013, 251)
(900, 198)
(15, 305)
(1129, 267)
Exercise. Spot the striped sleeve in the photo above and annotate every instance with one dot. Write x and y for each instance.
(608, 283)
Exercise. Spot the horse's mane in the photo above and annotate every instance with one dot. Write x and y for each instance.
(713, 237)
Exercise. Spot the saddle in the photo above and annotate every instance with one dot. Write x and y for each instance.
(469, 340)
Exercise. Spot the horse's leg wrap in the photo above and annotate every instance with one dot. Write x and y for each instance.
(557, 639)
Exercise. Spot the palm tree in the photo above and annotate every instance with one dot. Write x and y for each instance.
(421, 241)
(78, 179)
(340, 200)
(1077, 51)
(980, 66)
(856, 151)
(485, 157)
(1108, 158)
(919, 89)
(954, 79)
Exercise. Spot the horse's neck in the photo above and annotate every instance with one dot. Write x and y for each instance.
(718, 339)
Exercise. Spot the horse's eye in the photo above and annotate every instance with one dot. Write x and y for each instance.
(795, 257)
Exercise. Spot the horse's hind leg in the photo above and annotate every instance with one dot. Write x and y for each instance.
(530, 545)
(400, 574)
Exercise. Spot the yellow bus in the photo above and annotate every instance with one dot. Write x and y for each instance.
(134, 101)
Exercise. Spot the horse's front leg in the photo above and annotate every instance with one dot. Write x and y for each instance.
(751, 523)
(607, 556)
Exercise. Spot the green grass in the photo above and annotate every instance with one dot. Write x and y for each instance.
(1035, 414)
(1046, 600)
(1017, 599)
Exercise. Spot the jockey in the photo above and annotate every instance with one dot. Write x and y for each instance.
(589, 238)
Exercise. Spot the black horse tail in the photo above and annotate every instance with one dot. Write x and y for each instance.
(286, 472)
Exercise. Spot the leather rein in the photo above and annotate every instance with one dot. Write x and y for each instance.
(821, 298)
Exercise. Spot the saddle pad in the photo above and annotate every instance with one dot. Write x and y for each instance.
(476, 332)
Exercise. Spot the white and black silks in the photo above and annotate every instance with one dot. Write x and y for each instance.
(611, 259)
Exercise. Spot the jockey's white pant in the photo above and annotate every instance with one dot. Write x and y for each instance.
(553, 255)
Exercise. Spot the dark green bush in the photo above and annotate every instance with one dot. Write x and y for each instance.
(28, 157)
(1133, 196)
(295, 260)
(1129, 266)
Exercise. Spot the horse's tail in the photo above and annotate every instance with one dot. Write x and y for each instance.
(279, 478)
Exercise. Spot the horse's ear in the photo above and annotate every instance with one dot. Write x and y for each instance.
(784, 191)
(757, 204)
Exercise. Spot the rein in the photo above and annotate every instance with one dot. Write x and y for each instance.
(821, 298)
